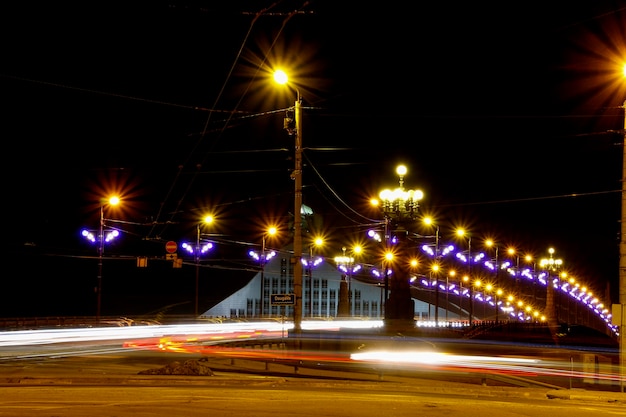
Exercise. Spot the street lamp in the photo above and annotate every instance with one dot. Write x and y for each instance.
(263, 258)
(430, 222)
(434, 269)
(318, 241)
(451, 274)
(497, 294)
(197, 250)
(387, 260)
(101, 239)
(462, 232)
(550, 265)
(622, 259)
(400, 208)
(465, 279)
(490, 243)
(281, 78)
(478, 284)
(344, 264)
(512, 252)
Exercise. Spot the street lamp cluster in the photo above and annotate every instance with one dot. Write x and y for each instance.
(101, 239)
(197, 250)
(505, 297)
(400, 210)
(263, 258)
(551, 266)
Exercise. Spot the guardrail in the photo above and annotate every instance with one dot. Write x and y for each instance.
(23, 323)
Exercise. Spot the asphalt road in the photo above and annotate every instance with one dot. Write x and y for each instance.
(113, 384)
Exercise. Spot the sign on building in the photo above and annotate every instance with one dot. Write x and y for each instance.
(282, 299)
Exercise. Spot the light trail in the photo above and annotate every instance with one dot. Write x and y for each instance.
(250, 329)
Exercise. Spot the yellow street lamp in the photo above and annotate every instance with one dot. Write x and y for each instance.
(388, 259)
(451, 274)
(464, 233)
(488, 289)
(491, 244)
(498, 293)
(270, 232)
(206, 220)
(514, 252)
(466, 280)
(282, 78)
(344, 263)
(550, 265)
(111, 201)
(434, 271)
(620, 317)
(431, 222)
(317, 242)
(400, 209)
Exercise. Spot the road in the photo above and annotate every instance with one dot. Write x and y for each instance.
(96, 374)
(284, 398)
(110, 382)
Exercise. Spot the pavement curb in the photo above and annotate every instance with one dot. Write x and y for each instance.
(582, 395)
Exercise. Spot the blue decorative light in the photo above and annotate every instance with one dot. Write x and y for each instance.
(191, 248)
(109, 236)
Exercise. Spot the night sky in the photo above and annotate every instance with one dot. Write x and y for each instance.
(507, 117)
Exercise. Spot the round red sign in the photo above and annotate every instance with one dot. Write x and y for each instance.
(171, 246)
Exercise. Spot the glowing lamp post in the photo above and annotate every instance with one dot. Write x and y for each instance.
(197, 250)
(281, 78)
(346, 264)
(311, 263)
(462, 232)
(263, 258)
(400, 208)
(551, 266)
(101, 239)
(622, 262)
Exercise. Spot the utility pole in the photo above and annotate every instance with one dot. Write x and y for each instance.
(621, 310)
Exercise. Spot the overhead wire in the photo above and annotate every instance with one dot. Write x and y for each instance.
(203, 135)
(228, 120)
(336, 195)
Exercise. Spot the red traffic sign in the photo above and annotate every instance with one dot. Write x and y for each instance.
(171, 246)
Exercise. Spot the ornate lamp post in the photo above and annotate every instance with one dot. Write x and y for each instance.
(344, 264)
(400, 208)
(551, 266)
(281, 78)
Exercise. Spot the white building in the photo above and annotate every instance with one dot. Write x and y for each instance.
(321, 294)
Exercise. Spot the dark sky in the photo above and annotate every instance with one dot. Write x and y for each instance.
(503, 114)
